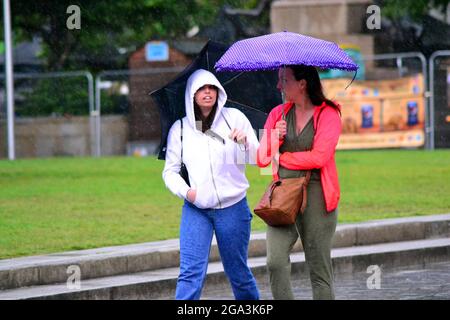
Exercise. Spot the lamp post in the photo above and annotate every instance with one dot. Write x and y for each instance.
(9, 78)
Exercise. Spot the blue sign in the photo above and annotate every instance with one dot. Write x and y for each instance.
(157, 51)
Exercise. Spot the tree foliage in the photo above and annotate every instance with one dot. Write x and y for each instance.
(109, 29)
(415, 9)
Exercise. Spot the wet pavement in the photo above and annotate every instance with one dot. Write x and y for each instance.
(431, 282)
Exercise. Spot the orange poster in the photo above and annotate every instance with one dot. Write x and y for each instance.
(380, 113)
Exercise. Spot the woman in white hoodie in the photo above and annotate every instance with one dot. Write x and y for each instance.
(216, 144)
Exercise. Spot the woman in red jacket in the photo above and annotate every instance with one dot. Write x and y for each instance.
(302, 135)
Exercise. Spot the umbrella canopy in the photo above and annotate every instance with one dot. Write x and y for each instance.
(252, 93)
(275, 50)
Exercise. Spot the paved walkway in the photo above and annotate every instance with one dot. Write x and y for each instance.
(149, 270)
(414, 283)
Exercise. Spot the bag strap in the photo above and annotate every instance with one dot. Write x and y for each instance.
(318, 117)
(308, 174)
(181, 137)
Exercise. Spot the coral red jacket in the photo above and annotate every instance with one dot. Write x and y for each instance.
(328, 130)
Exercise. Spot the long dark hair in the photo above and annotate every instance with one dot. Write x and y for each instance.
(313, 84)
(206, 122)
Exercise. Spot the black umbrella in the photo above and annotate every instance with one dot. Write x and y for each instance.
(253, 93)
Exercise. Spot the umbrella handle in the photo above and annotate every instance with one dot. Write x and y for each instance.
(283, 96)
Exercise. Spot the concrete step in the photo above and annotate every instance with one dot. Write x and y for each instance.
(160, 284)
(129, 259)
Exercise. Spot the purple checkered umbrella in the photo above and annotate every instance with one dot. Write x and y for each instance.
(275, 50)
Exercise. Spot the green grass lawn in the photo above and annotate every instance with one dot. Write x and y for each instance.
(52, 205)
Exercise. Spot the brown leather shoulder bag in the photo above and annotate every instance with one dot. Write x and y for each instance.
(283, 200)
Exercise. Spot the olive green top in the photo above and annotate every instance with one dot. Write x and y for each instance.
(294, 143)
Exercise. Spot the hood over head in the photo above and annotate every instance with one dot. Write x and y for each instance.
(197, 80)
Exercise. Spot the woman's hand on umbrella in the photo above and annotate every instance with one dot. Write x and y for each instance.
(281, 128)
(191, 195)
(238, 136)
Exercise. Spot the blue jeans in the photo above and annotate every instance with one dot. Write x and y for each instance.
(232, 228)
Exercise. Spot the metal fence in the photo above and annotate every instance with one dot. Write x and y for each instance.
(439, 73)
(47, 108)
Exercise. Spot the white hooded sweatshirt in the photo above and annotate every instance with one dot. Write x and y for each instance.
(216, 169)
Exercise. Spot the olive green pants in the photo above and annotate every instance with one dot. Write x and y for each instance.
(316, 228)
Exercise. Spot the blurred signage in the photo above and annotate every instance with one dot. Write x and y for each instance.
(354, 52)
(380, 113)
(156, 51)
